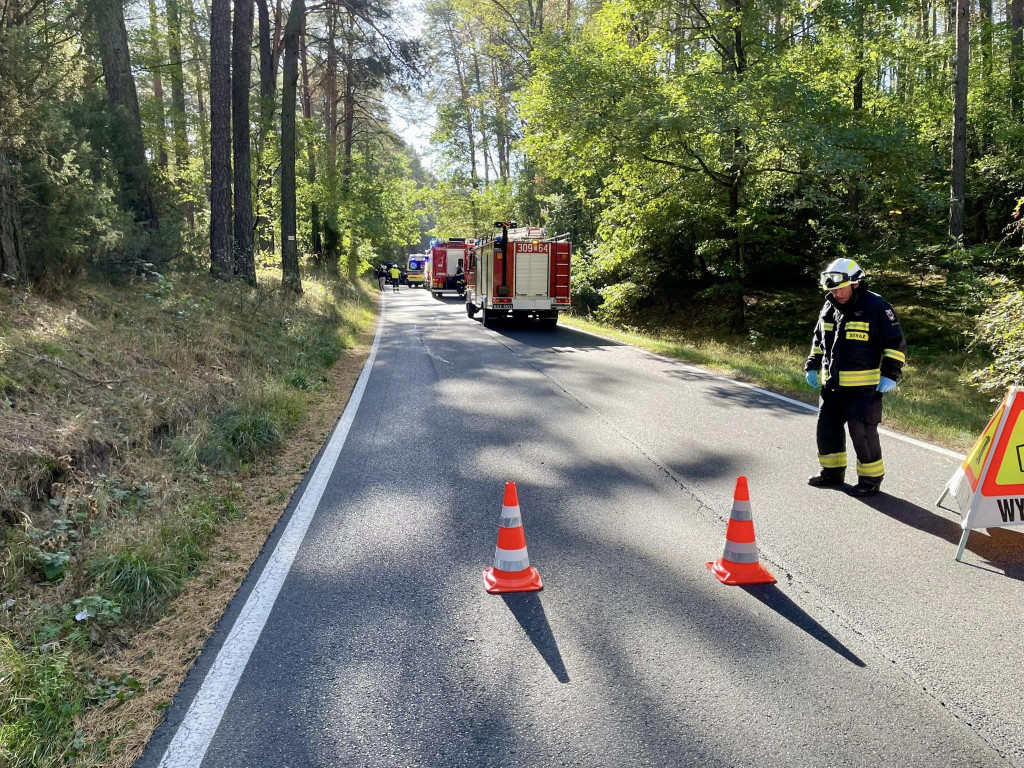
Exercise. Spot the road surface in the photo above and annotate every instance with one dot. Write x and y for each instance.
(381, 647)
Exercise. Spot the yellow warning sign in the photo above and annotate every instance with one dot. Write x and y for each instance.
(1011, 469)
(976, 458)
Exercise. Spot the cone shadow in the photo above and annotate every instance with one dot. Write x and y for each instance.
(529, 612)
(776, 599)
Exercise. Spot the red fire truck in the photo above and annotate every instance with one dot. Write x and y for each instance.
(442, 270)
(519, 273)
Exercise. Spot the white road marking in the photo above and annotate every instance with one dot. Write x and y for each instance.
(806, 406)
(188, 747)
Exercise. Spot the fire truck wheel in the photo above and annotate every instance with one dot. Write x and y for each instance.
(470, 309)
(549, 323)
(487, 317)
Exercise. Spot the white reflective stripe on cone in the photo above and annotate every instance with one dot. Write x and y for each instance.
(511, 517)
(741, 546)
(511, 559)
(739, 557)
(741, 510)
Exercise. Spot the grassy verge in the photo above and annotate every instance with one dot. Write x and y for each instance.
(930, 403)
(150, 436)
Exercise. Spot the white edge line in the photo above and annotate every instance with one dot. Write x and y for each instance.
(806, 406)
(196, 730)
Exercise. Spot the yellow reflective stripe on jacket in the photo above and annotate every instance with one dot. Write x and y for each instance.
(873, 469)
(857, 326)
(895, 354)
(859, 378)
(828, 326)
(833, 460)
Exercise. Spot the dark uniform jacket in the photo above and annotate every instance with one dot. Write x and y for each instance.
(857, 343)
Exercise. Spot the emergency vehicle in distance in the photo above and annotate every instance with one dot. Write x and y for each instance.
(519, 273)
(445, 259)
(415, 270)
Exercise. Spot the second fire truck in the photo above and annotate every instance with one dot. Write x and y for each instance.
(447, 265)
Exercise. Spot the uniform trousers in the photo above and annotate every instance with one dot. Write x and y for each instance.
(860, 409)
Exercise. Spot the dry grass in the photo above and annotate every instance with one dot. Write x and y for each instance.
(144, 426)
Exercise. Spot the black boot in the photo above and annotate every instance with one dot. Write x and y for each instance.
(864, 489)
(826, 477)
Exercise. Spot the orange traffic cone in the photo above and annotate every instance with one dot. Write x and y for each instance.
(512, 571)
(738, 565)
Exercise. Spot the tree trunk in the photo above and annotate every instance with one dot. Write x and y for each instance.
(179, 119)
(466, 98)
(268, 85)
(221, 256)
(290, 277)
(12, 256)
(348, 134)
(853, 194)
(129, 150)
(307, 112)
(332, 226)
(1016, 44)
(241, 79)
(958, 174)
(202, 76)
(157, 62)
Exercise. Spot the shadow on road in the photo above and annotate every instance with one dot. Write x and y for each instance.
(527, 331)
(529, 612)
(1001, 548)
(776, 599)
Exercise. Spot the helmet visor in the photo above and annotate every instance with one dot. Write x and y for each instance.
(832, 280)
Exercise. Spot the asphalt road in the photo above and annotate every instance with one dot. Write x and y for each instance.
(382, 648)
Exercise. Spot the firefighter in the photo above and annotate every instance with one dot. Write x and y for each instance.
(396, 275)
(859, 348)
(460, 280)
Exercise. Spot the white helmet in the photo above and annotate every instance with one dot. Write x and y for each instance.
(840, 273)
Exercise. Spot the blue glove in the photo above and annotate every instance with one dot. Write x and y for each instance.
(812, 379)
(886, 385)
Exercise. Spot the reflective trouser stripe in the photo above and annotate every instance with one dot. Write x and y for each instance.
(895, 354)
(511, 559)
(833, 460)
(855, 326)
(817, 351)
(741, 510)
(873, 469)
(859, 378)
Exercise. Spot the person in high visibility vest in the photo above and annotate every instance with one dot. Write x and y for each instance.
(859, 348)
(396, 275)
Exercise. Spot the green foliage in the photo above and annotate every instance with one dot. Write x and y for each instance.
(621, 302)
(251, 429)
(138, 577)
(1001, 330)
(40, 696)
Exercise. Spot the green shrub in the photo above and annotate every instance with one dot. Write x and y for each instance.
(251, 429)
(40, 695)
(298, 378)
(621, 302)
(1001, 330)
(138, 579)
